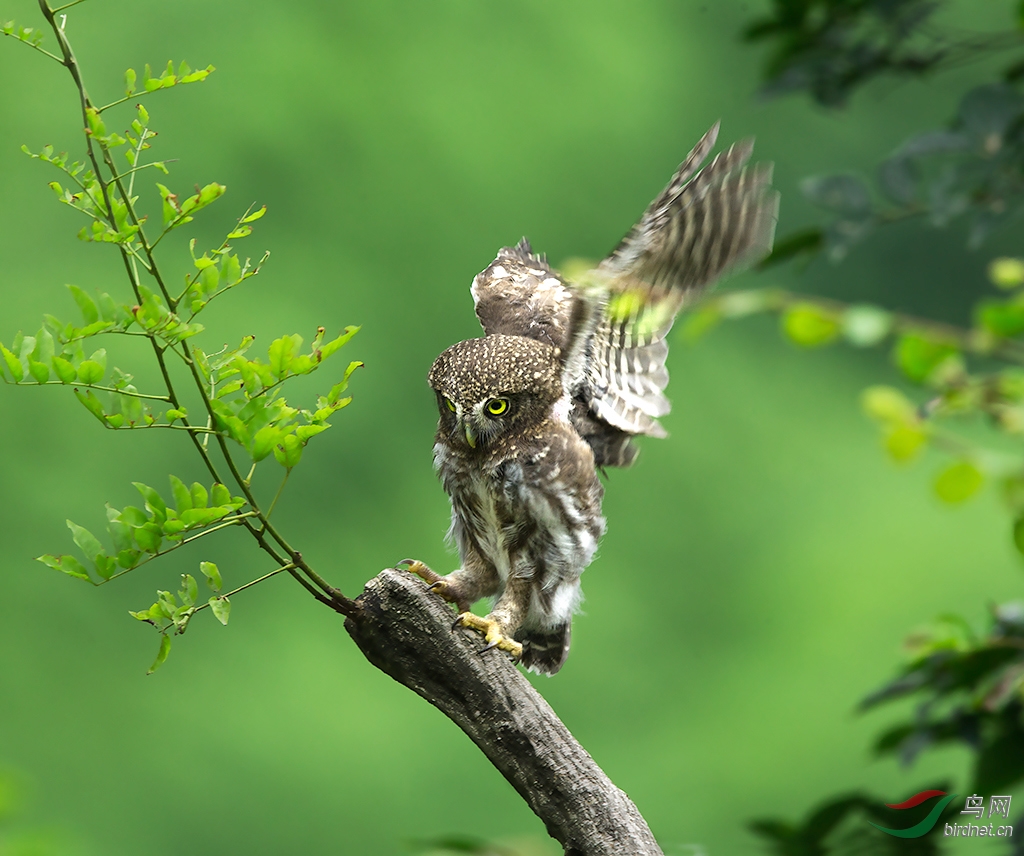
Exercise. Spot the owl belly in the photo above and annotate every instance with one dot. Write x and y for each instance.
(537, 530)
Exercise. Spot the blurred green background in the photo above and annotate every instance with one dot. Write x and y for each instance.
(761, 566)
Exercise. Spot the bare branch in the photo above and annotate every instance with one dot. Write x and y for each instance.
(405, 631)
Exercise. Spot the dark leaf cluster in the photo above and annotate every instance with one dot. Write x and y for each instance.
(830, 47)
(969, 689)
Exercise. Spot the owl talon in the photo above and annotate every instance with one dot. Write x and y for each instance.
(415, 566)
(491, 631)
(435, 583)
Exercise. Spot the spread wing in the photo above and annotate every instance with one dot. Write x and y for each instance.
(705, 223)
(612, 331)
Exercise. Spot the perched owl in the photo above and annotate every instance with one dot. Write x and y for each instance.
(564, 379)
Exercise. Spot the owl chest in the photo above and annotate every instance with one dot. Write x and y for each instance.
(520, 520)
(489, 514)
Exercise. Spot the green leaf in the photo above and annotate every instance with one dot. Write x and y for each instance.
(1003, 318)
(221, 607)
(919, 357)
(203, 516)
(809, 326)
(887, 404)
(255, 215)
(39, 371)
(105, 566)
(129, 81)
(958, 482)
(220, 495)
(13, 364)
(90, 312)
(120, 532)
(64, 370)
(200, 498)
(154, 503)
(189, 590)
(181, 494)
(92, 404)
(1006, 272)
(340, 387)
(86, 541)
(304, 432)
(134, 516)
(288, 451)
(90, 371)
(212, 574)
(66, 565)
(806, 242)
(161, 655)
(280, 354)
(230, 269)
(148, 537)
(904, 442)
(332, 346)
(264, 442)
(128, 558)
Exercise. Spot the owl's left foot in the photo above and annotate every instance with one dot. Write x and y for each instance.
(492, 632)
(436, 583)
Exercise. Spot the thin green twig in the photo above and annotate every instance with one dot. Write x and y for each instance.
(235, 520)
(43, 51)
(93, 386)
(249, 584)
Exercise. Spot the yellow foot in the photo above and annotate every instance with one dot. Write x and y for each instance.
(491, 631)
(436, 583)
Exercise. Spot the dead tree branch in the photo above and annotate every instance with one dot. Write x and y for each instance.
(405, 631)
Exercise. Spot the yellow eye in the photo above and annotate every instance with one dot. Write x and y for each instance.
(451, 404)
(497, 406)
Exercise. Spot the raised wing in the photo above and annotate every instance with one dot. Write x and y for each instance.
(705, 223)
(612, 329)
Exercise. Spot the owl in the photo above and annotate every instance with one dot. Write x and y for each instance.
(565, 378)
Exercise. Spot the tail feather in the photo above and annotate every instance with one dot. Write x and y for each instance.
(545, 652)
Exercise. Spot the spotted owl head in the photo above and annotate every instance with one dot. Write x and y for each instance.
(494, 387)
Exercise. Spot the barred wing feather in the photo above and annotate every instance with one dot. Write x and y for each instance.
(705, 223)
(612, 330)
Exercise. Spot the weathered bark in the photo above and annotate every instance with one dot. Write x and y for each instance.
(405, 631)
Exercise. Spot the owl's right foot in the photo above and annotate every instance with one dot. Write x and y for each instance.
(491, 630)
(436, 583)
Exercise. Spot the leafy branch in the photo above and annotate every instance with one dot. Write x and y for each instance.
(237, 398)
(930, 355)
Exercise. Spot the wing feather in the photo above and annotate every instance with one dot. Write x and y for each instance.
(705, 223)
(611, 331)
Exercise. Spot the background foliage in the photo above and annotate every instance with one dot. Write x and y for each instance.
(762, 565)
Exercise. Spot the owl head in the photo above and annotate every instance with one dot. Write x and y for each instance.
(494, 387)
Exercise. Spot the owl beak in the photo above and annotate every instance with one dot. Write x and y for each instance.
(470, 435)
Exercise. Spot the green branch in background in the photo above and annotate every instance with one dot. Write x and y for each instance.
(239, 397)
(931, 355)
